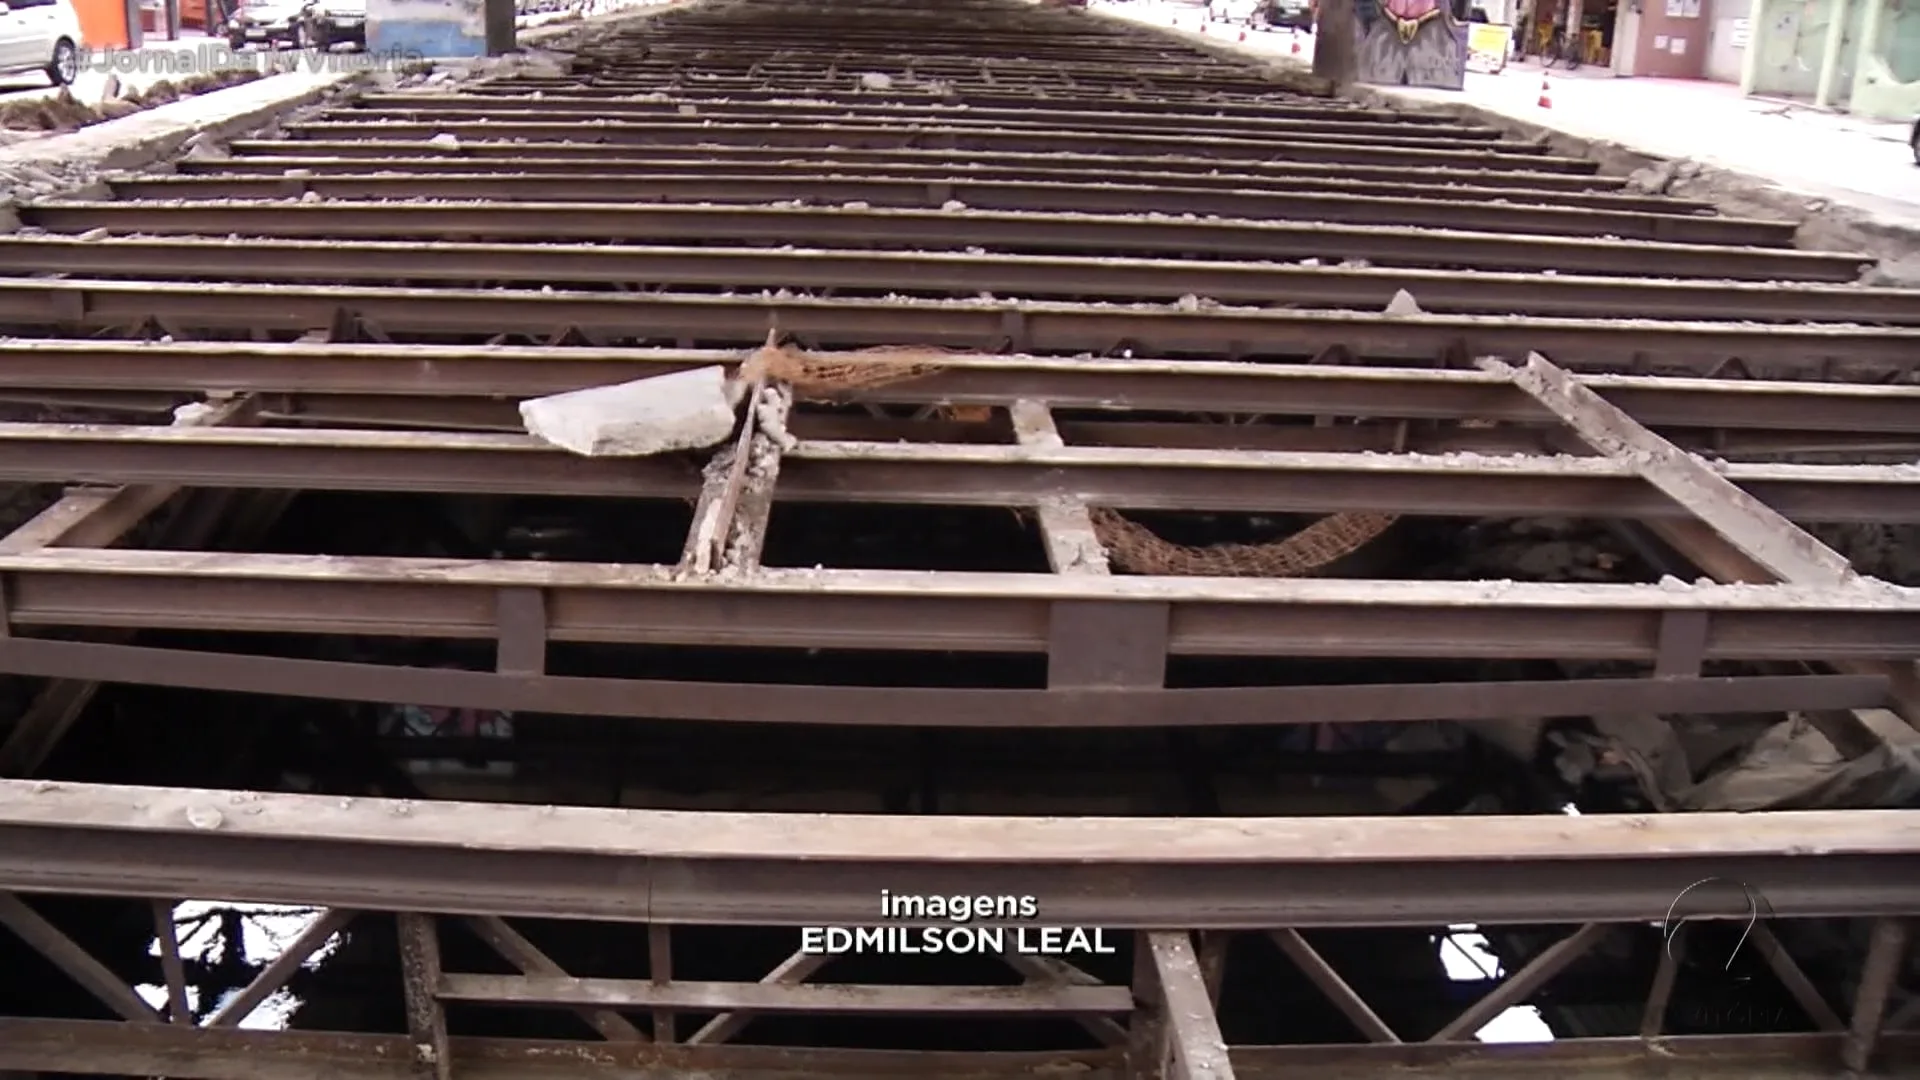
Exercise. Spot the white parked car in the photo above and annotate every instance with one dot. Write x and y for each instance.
(40, 35)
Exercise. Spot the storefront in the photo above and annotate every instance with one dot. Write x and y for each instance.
(1859, 55)
(1593, 24)
(1669, 39)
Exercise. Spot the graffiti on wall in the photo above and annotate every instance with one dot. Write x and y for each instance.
(1411, 43)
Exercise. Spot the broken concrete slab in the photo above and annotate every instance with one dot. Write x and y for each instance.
(686, 410)
(1897, 273)
(151, 135)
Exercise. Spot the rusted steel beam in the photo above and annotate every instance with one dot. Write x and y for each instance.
(1879, 973)
(421, 980)
(254, 156)
(660, 977)
(934, 474)
(1520, 985)
(76, 962)
(1271, 107)
(1065, 526)
(1758, 532)
(1197, 1050)
(103, 517)
(166, 935)
(709, 997)
(1049, 971)
(810, 870)
(920, 229)
(1089, 691)
(521, 953)
(1411, 152)
(1078, 117)
(1722, 561)
(90, 1047)
(1794, 978)
(892, 610)
(793, 971)
(1110, 197)
(294, 955)
(936, 273)
(440, 372)
(1450, 185)
(1029, 325)
(1328, 982)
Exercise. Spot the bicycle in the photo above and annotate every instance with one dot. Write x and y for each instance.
(1562, 48)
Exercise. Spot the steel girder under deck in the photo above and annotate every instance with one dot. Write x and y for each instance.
(1108, 638)
(1148, 883)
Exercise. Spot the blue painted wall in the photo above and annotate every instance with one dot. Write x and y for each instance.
(427, 28)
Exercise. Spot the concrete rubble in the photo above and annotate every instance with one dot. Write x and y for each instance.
(1403, 305)
(685, 410)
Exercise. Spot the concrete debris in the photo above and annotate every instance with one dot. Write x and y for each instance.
(1654, 179)
(445, 139)
(874, 80)
(953, 206)
(682, 411)
(192, 414)
(1885, 551)
(1403, 304)
(770, 416)
(63, 112)
(201, 148)
(1902, 273)
(1793, 767)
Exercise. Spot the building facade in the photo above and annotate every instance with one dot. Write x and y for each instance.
(1860, 55)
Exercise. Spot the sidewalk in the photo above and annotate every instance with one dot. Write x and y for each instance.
(196, 53)
(1845, 160)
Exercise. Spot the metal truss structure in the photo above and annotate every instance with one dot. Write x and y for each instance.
(1107, 638)
(1192, 268)
(1228, 877)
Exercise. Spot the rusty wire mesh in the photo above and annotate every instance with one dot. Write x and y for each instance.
(815, 377)
(1135, 548)
(1131, 546)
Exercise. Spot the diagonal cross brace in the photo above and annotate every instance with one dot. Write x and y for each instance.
(1196, 1049)
(1756, 529)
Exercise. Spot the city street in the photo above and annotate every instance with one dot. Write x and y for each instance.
(1862, 163)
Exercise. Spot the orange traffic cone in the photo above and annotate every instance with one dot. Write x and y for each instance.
(1546, 94)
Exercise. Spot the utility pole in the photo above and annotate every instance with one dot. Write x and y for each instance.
(1336, 55)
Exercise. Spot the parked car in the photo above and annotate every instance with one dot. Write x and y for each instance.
(40, 36)
(1288, 15)
(337, 22)
(303, 24)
